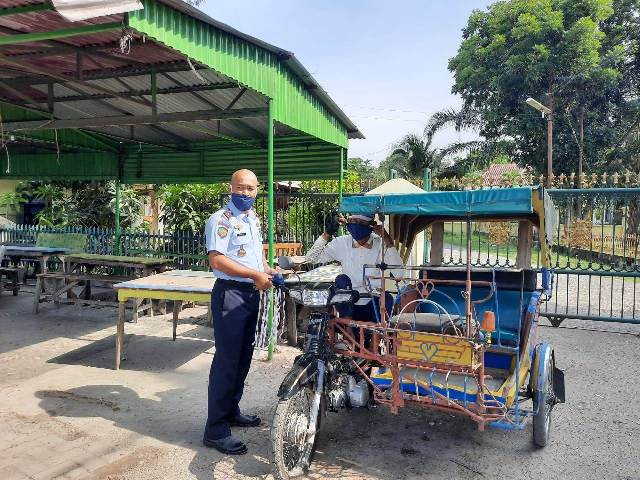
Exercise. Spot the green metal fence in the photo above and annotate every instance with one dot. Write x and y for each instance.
(300, 218)
(596, 253)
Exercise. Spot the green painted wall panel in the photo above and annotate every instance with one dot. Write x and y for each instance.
(294, 159)
(249, 64)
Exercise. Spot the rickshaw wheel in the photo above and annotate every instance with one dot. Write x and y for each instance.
(543, 394)
(293, 446)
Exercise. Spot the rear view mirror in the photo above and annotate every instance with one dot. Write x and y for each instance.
(286, 263)
(291, 263)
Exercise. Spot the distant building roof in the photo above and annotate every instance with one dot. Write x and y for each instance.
(494, 175)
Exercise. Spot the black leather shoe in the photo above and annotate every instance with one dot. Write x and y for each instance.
(245, 421)
(227, 445)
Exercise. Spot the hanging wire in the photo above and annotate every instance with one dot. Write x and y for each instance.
(125, 41)
(195, 72)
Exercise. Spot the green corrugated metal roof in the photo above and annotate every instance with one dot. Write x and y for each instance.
(250, 63)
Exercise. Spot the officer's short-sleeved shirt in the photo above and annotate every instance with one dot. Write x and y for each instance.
(237, 236)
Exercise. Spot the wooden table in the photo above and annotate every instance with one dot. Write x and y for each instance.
(80, 270)
(176, 285)
(35, 254)
(143, 266)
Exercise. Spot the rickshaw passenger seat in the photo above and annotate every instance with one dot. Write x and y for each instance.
(508, 316)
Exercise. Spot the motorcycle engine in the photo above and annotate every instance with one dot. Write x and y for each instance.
(347, 392)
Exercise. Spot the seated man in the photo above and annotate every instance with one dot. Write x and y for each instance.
(362, 246)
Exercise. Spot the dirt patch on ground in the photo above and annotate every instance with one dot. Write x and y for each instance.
(139, 458)
(22, 424)
(80, 398)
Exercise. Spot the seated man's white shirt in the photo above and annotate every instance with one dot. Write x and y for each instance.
(353, 257)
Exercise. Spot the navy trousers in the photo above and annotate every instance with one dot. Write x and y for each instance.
(234, 310)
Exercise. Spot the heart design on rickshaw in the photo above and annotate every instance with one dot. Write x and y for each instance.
(429, 350)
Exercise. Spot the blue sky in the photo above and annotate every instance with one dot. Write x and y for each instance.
(383, 62)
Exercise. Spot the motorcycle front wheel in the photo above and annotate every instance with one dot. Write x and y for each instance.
(293, 436)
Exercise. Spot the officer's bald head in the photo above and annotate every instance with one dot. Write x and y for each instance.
(245, 182)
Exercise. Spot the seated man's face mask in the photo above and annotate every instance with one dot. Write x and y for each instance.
(359, 231)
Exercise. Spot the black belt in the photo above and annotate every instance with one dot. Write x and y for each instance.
(236, 284)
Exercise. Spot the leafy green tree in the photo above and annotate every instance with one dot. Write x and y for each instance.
(10, 201)
(365, 169)
(187, 207)
(86, 204)
(552, 50)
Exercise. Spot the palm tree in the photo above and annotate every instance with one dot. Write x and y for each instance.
(412, 154)
(464, 119)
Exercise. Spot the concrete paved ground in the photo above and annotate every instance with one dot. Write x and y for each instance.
(65, 413)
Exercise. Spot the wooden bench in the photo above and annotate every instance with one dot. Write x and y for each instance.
(64, 283)
(284, 249)
(73, 242)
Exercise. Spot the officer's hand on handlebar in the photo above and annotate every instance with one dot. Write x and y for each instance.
(262, 280)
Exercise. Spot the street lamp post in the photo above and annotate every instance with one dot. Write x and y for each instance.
(549, 114)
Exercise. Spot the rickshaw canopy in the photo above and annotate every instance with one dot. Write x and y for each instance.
(411, 213)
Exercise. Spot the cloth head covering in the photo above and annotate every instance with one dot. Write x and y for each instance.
(366, 218)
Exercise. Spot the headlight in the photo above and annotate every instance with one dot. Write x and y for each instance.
(315, 298)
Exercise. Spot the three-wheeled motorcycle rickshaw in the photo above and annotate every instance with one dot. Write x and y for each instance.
(459, 339)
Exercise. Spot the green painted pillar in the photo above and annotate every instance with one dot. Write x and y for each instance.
(343, 161)
(118, 233)
(270, 195)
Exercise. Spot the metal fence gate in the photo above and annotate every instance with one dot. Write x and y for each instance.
(595, 258)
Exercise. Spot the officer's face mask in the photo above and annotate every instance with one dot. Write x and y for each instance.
(359, 231)
(242, 202)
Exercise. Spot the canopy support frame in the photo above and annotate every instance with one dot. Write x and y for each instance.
(270, 133)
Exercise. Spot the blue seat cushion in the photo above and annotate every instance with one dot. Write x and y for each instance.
(507, 305)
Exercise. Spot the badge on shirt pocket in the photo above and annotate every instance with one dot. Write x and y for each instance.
(239, 240)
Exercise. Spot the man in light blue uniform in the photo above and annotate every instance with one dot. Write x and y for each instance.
(234, 246)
